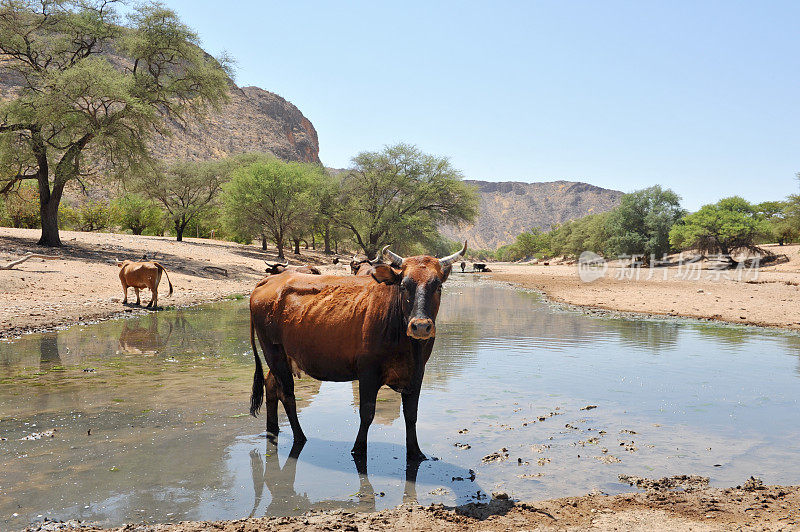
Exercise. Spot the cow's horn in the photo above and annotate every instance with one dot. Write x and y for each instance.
(397, 260)
(377, 258)
(450, 259)
(287, 263)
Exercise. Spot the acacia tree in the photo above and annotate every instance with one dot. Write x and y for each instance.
(92, 91)
(730, 225)
(274, 197)
(401, 194)
(641, 223)
(185, 188)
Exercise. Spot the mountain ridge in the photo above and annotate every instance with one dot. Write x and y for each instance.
(508, 208)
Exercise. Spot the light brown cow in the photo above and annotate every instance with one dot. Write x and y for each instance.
(140, 275)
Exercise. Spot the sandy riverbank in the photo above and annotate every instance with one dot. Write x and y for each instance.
(750, 506)
(83, 285)
(769, 296)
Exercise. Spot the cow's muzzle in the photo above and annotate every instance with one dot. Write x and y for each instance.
(421, 329)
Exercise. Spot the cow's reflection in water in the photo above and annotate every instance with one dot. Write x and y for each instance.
(279, 481)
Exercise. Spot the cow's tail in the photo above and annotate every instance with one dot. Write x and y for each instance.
(257, 397)
(163, 269)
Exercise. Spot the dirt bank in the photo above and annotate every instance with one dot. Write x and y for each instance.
(83, 284)
(769, 296)
(663, 507)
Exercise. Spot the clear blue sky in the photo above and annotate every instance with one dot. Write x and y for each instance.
(698, 96)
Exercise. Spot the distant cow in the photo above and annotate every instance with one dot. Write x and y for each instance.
(478, 266)
(274, 268)
(363, 267)
(140, 275)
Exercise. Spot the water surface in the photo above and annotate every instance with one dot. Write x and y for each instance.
(150, 416)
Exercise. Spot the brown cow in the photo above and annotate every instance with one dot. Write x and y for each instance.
(363, 267)
(140, 275)
(342, 328)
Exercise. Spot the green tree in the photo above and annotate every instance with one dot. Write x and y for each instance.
(400, 195)
(186, 189)
(93, 91)
(137, 214)
(641, 223)
(273, 197)
(779, 215)
(730, 225)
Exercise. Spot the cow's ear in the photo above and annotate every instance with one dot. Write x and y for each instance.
(383, 273)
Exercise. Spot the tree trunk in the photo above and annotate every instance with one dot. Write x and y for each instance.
(48, 210)
(180, 225)
(279, 242)
(296, 246)
(264, 242)
(49, 214)
(327, 237)
(305, 242)
(313, 242)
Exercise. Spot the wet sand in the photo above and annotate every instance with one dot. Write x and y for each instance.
(750, 506)
(83, 284)
(769, 297)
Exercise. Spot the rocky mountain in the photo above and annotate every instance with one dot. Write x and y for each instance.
(509, 208)
(253, 120)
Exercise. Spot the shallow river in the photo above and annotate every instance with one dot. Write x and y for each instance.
(149, 414)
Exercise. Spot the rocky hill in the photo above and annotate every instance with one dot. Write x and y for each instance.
(253, 120)
(509, 208)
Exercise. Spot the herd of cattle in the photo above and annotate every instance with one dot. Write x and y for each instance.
(377, 326)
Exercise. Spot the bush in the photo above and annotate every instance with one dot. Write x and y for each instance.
(137, 214)
(92, 215)
(20, 208)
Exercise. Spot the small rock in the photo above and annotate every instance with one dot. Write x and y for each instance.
(500, 495)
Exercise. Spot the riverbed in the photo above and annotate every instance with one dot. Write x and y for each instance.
(145, 419)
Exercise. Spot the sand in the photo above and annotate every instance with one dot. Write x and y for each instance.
(750, 506)
(83, 285)
(769, 296)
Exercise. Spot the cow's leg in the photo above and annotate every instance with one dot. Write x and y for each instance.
(138, 300)
(271, 387)
(368, 386)
(410, 407)
(125, 292)
(154, 299)
(411, 403)
(278, 364)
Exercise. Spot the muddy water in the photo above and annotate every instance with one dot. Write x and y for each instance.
(150, 425)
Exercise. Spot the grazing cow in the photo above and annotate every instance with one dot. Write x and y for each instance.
(378, 329)
(140, 275)
(274, 268)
